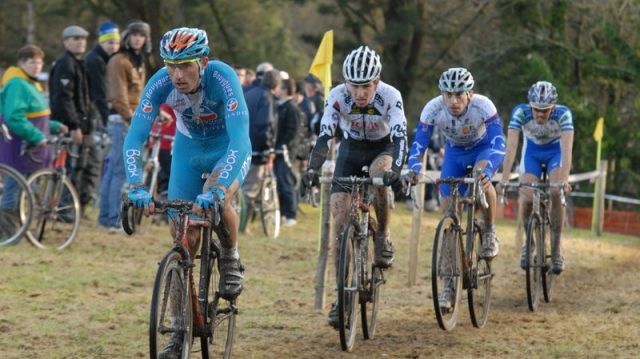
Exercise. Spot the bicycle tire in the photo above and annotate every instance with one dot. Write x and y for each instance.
(171, 313)
(347, 283)
(547, 275)
(218, 340)
(56, 217)
(270, 208)
(447, 238)
(534, 265)
(14, 218)
(372, 282)
(479, 290)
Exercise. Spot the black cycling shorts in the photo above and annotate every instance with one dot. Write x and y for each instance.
(353, 155)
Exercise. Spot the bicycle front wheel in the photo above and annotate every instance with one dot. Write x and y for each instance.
(270, 208)
(220, 315)
(479, 289)
(547, 275)
(446, 273)
(16, 206)
(347, 284)
(535, 262)
(373, 281)
(171, 319)
(56, 217)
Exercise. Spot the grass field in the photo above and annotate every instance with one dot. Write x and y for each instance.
(92, 300)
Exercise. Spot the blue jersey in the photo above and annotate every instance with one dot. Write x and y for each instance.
(212, 130)
(559, 121)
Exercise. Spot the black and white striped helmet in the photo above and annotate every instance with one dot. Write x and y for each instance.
(361, 66)
(456, 79)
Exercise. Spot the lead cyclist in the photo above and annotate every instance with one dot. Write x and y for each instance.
(212, 137)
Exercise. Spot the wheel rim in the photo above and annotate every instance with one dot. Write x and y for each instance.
(534, 265)
(479, 293)
(446, 271)
(347, 291)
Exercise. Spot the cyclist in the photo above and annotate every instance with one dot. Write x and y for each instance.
(212, 137)
(548, 139)
(370, 114)
(474, 137)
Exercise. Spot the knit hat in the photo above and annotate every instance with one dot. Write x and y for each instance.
(137, 27)
(108, 31)
(74, 31)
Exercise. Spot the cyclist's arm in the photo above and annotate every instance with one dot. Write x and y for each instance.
(513, 136)
(419, 146)
(566, 143)
(498, 148)
(398, 125)
(16, 102)
(328, 125)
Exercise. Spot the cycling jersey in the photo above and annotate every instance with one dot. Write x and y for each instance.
(212, 130)
(541, 141)
(477, 127)
(382, 121)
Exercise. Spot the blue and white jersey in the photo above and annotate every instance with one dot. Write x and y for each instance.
(212, 124)
(560, 120)
(382, 117)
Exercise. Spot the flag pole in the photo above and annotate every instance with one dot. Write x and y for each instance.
(597, 135)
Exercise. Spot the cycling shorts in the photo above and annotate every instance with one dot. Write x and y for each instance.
(456, 160)
(533, 156)
(353, 155)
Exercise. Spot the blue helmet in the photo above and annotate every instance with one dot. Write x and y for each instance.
(184, 44)
(542, 95)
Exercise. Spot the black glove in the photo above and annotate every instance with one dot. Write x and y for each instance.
(310, 179)
(390, 178)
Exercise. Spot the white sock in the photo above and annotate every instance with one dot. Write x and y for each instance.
(230, 252)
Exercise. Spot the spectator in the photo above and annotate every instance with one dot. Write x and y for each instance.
(71, 105)
(263, 117)
(249, 77)
(314, 90)
(261, 70)
(25, 111)
(125, 79)
(167, 124)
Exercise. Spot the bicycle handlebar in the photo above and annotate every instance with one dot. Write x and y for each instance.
(534, 185)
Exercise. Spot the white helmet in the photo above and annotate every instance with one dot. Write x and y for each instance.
(361, 66)
(456, 79)
(542, 95)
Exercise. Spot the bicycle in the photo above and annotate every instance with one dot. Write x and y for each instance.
(538, 275)
(356, 283)
(456, 263)
(56, 217)
(176, 307)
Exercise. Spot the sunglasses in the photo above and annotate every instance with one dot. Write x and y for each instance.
(541, 110)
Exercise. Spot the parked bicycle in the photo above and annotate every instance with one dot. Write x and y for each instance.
(539, 277)
(456, 263)
(56, 212)
(358, 279)
(176, 308)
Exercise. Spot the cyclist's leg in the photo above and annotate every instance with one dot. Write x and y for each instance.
(490, 240)
(557, 215)
(530, 172)
(384, 250)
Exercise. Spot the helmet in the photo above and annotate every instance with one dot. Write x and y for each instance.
(456, 79)
(542, 95)
(184, 44)
(361, 66)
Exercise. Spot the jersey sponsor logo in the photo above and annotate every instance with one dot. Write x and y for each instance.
(146, 106)
(208, 116)
(399, 105)
(232, 104)
(378, 100)
(132, 158)
(231, 160)
(156, 85)
(226, 85)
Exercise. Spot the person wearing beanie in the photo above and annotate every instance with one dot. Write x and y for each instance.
(96, 60)
(125, 79)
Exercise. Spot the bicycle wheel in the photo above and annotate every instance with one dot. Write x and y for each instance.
(372, 282)
(220, 315)
(171, 319)
(535, 262)
(446, 271)
(16, 206)
(347, 283)
(270, 207)
(56, 216)
(547, 275)
(479, 289)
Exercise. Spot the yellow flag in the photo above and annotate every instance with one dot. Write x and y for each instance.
(321, 66)
(599, 131)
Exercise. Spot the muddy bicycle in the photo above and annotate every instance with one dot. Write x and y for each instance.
(456, 264)
(177, 309)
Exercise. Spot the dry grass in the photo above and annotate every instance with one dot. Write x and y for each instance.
(91, 300)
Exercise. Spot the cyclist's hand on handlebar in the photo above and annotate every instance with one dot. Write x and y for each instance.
(141, 198)
(390, 178)
(310, 179)
(485, 180)
(567, 188)
(211, 199)
(412, 177)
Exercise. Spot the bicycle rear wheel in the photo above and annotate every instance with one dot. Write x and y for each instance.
(56, 217)
(220, 315)
(270, 207)
(446, 271)
(535, 262)
(372, 283)
(479, 289)
(547, 275)
(347, 284)
(171, 319)
(16, 206)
